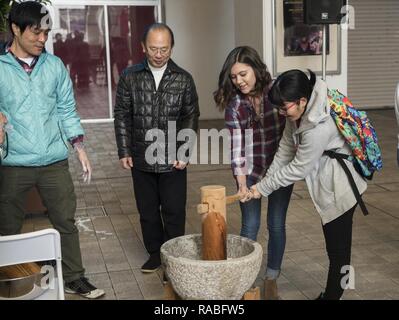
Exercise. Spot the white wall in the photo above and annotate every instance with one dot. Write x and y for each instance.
(207, 30)
(204, 34)
(249, 24)
(334, 81)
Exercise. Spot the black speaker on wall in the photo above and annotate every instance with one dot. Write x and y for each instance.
(323, 11)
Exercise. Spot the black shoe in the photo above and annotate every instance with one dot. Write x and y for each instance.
(320, 297)
(84, 288)
(152, 264)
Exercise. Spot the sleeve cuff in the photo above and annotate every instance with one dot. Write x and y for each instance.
(263, 190)
(76, 140)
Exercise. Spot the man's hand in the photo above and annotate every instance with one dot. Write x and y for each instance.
(86, 166)
(3, 122)
(126, 163)
(179, 165)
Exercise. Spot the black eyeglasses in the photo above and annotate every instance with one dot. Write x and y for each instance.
(284, 109)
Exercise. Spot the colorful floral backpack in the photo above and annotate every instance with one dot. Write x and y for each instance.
(360, 135)
(358, 132)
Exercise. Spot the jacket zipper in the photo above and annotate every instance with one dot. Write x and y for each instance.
(62, 139)
(156, 112)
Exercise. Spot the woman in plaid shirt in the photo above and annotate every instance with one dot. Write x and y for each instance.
(256, 129)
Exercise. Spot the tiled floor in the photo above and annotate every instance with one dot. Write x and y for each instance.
(113, 251)
(93, 102)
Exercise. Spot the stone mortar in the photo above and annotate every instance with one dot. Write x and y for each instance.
(196, 279)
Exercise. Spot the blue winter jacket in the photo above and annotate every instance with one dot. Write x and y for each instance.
(41, 109)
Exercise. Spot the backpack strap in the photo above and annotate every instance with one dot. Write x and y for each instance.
(340, 158)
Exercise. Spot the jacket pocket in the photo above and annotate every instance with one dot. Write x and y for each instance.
(323, 191)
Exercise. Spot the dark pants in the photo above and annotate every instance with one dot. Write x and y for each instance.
(338, 236)
(55, 186)
(161, 202)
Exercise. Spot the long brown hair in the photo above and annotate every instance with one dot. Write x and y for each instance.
(249, 56)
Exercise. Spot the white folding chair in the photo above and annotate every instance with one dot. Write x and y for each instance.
(43, 245)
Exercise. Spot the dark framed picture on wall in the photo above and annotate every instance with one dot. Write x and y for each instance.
(300, 46)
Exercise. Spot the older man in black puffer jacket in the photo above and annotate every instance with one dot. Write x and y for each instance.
(155, 101)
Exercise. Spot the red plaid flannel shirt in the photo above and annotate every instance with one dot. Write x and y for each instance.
(28, 68)
(252, 156)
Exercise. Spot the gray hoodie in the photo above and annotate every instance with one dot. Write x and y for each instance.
(300, 156)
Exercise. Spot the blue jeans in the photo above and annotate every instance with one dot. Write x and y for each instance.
(276, 213)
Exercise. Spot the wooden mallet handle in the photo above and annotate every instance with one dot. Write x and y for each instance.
(233, 198)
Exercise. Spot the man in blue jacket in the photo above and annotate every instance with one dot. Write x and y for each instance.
(37, 102)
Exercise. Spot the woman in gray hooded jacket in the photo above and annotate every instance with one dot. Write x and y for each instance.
(309, 132)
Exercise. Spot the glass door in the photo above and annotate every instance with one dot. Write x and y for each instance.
(79, 40)
(126, 27)
(96, 43)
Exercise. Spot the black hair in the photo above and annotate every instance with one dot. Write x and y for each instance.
(158, 26)
(226, 89)
(28, 14)
(291, 86)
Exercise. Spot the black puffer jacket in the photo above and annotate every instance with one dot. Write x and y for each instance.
(140, 107)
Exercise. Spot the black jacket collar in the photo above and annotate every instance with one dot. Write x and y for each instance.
(172, 67)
